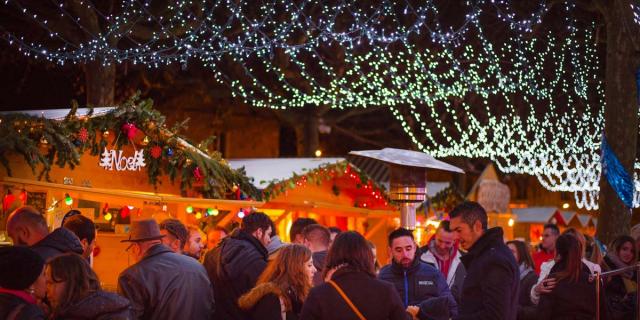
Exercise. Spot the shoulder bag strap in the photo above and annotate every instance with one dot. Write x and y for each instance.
(15, 312)
(347, 300)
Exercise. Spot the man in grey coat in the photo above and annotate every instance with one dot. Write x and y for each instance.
(163, 284)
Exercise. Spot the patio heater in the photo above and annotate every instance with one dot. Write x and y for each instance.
(405, 174)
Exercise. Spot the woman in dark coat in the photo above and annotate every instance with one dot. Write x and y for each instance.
(22, 284)
(75, 293)
(350, 271)
(282, 287)
(620, 289)
(528, 277)
(574, 295)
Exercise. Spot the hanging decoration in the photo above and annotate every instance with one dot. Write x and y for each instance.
(105, 209)
(130, 130)
(156, 152)
(68, 200)
(111, 159)
(83, 135)
(125, 212)
(8, 200)
(197, 173)
(618, 178)
(23, 196)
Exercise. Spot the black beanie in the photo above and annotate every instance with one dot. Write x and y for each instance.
(20, 267)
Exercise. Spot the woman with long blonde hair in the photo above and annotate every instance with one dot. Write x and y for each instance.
(282, 287)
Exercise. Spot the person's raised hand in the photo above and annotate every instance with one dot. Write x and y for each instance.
(413, 311)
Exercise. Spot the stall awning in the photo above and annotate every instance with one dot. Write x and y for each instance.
(534, 214)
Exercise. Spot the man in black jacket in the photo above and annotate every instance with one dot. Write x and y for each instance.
(27, 227)
(490, 290)
(162, 284)
(416, 281)
(236, 263)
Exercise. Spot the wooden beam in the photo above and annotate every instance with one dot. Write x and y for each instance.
(381, 223)
(225, 221)
(281, 217)
(198, 202)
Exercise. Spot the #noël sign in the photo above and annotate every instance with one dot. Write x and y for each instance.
(494, 196)
(111, 159)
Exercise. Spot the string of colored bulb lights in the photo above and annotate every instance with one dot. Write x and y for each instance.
(559, 144)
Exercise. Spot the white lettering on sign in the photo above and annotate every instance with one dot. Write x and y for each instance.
(111, 159)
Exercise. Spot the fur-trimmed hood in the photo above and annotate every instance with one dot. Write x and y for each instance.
(252, 297)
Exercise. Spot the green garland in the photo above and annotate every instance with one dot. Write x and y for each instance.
(446, 199)
(323, 173)
(46, 142)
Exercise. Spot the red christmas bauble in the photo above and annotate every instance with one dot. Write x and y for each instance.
(156, 152)
(130, 130)
(83, 135)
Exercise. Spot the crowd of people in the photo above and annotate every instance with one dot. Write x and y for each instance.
(466, 271)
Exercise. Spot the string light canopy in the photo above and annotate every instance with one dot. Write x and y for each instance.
(532, 102)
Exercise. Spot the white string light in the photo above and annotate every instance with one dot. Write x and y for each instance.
(427, 90)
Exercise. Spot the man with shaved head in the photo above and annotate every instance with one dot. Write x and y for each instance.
(27, 227)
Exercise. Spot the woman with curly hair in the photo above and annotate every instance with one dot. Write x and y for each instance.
(282, 287)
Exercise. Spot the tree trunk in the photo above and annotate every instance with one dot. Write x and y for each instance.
(100, 82)
(311, 136)
(621, 114)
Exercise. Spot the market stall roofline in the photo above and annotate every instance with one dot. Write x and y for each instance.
(136, 194)
(265, 170)
(60, 114)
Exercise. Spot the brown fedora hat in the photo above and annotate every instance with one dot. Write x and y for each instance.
(144, 230)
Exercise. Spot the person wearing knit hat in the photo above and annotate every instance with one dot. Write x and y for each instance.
(22, 283)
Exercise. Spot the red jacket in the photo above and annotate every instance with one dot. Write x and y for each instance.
(540, 257)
